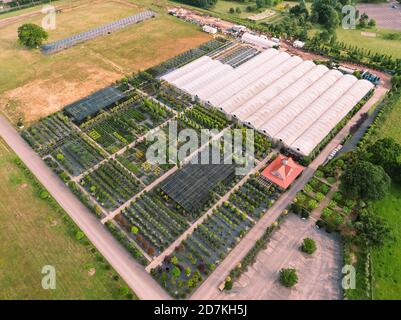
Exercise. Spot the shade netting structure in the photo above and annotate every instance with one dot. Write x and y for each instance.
(190, 186)
(68, 42)
(90, 105)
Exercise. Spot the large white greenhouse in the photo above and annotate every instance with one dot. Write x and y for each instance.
(290, 100)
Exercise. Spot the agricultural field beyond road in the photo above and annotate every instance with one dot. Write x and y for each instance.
(33, 85)
(34, 235)
(387, 261)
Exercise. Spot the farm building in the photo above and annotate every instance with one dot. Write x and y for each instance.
(284, 97)
(259, 41)
(209, 29)
(282, 171)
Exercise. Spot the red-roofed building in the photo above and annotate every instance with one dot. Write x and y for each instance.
(282, 171)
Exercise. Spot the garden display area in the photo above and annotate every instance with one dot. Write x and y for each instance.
(196, 257)
(100, 152)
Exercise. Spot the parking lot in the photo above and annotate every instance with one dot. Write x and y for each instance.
(387, 15)
(319, 275)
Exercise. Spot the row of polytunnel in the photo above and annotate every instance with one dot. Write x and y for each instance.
(290, 100)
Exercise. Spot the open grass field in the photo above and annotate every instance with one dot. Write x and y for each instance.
(33, 85)
(375, 44)
(33, 235)
(387, 260)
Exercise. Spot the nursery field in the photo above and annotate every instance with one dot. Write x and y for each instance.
(58, 80)
(33, 234)
(102, 159)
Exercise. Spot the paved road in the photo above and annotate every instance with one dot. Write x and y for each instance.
(209, 289)
(131, 271)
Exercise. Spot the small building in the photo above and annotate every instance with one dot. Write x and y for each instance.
(298, 44)
(238, 28)
(260, 41)
(276, 40)
(209, 29)
(346, 70)
(282, 171)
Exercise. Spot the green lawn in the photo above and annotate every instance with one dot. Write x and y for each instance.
(387, 260)
(391, 124)
(33, 234)
(375, 44)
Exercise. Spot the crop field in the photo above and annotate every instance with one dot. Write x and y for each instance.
(33, 234)
(58, 80)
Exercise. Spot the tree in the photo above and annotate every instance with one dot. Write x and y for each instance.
(372, 23)
(308, 246)
(174, 260)
(364, 180)
(325, 12)
(288, 277)
(363, 20)
(260, 3)
(31, 35)
(200, 3)
(385, 152)
(231, 10)
(300, 9)
(238, 10)
(372, 229)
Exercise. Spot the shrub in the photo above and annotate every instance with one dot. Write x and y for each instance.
(312, 204)
(337, 196)
(319, 174)
(332, 204)
(305, 213)
(308, 246)
(175, 272)
(331, 180)
(308, 188)
(288, 277)
(319, 196)
(326, 213)
(79, 235)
